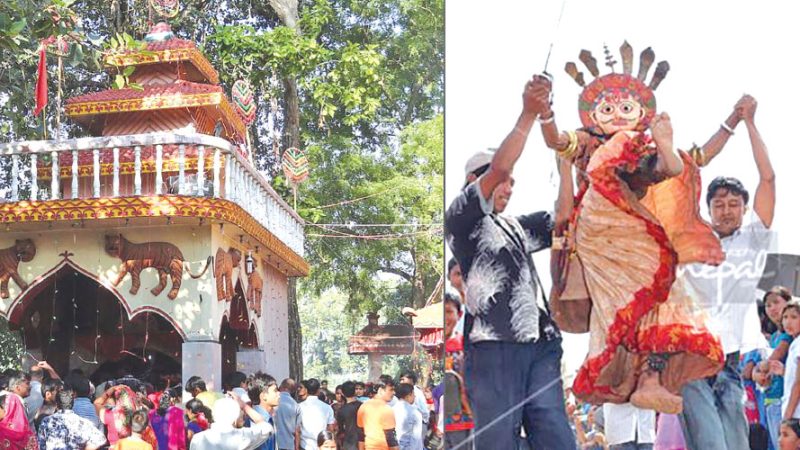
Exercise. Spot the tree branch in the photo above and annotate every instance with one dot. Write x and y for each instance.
(399, 273)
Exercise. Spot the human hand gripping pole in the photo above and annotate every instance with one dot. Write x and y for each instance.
(534, 101)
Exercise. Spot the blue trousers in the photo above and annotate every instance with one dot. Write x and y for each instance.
(511, 386)
(774, 418)
(713, 412)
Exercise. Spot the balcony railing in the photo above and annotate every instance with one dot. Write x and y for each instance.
(195, 165)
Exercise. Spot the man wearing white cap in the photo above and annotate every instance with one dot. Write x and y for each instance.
(512, 346)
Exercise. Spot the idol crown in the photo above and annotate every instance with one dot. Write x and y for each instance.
(626, 51)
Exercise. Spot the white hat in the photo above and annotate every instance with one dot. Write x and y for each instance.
(478, 160)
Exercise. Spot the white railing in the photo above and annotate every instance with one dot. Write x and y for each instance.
(232, 176)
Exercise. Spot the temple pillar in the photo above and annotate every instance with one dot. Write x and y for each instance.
(203, 359)
(252, 361)
(375, 364)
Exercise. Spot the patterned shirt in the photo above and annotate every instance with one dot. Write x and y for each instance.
(66, 430)
(502, 286)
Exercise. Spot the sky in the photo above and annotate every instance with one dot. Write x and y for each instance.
(717, 51)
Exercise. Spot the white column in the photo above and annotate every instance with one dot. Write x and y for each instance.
(159, 162)
(375, 364)
(201, 167)
(216, 172)
(181, 169)
(228, 175)
(34, 178)
(96, 172)
(137, 170)
(115, 169)
(54, 180)
(74, 174)
(203, 359)
(14, 178)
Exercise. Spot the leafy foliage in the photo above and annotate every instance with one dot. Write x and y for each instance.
(10, 342)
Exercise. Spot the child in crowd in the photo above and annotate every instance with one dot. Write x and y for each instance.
(791, 382)
(139, 424)
(790, 435)
(774, 304)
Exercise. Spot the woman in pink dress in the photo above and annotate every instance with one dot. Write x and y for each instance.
(15, 431)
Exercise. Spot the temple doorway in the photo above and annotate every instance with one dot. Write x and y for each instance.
(74, 322)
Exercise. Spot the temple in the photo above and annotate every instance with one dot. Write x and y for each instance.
(154, 246)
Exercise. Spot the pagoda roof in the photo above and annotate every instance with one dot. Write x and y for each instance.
(180, 94)
(168, 51)
(383, 339)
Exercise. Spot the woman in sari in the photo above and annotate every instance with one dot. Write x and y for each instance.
(115, 408)
(167, 422)
(635, 218)
(15, 431)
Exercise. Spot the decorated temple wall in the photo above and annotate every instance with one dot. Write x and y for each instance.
(271, 326)
(276, 324)
(192, 312)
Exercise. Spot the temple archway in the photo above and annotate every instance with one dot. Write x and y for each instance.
(74, 322)
(237, 331)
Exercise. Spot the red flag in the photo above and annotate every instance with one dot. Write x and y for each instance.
(41, 81)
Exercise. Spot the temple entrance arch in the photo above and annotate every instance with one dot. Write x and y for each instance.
(237, 333)
(73, 321)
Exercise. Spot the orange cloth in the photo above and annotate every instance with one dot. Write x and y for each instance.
(132, 444)
(375, 416)
(629, 258)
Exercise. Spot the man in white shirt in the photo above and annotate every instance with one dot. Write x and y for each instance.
(419, 398)
(628, 427)
(315, 416)
(407, 418)
(223, 434)
(713, 416)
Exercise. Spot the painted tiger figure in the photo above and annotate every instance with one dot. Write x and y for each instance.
(23, 250)
(255, 289)
(224, 263)
(166, 258)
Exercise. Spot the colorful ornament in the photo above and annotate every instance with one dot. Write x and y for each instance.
(243, 101)
(165, 8)
(295, 165)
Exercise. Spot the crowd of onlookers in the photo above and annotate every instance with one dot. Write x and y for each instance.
(41, 410)
(771, 386)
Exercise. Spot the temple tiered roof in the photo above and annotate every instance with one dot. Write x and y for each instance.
(180, 91)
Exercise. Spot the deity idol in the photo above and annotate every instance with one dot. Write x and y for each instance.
(635, 218)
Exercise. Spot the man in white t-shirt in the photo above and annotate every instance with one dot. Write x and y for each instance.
(713, 416)
(419, 398)
(628, 427)
(315, 416)
(407, 418)
(224, 433)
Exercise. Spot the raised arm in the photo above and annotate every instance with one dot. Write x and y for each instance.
(669, 162)
(764, 202)
(534, 101)
(45, 366)
(718, 140)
